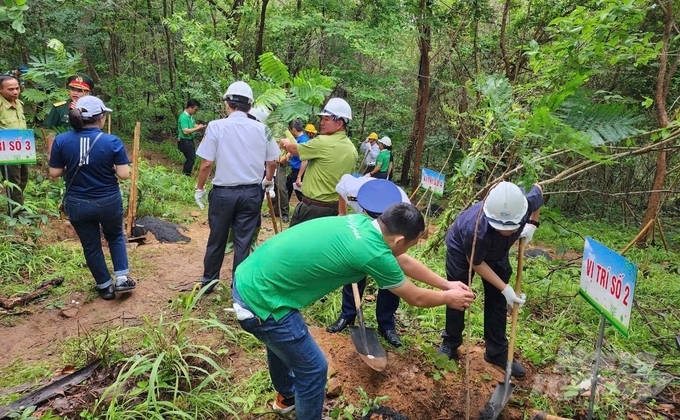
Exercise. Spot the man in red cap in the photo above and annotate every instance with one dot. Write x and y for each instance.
(79, 85)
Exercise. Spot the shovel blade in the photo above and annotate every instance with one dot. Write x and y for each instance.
(368, 346)
(498, 400)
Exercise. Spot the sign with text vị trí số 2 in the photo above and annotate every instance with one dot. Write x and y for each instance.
(17, 147)
(433, 181)
(608, 283)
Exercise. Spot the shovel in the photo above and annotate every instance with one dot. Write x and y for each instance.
(365, 339)
(502, 393)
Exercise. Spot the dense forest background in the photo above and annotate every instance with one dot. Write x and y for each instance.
(581, 95)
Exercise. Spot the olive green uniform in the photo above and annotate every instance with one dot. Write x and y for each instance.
(57, 119)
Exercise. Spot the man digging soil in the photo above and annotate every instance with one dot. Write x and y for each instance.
(268, 296)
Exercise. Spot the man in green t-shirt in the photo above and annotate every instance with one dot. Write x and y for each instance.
(186, 132)
(382, 162)
(330, 252)
(329, 156)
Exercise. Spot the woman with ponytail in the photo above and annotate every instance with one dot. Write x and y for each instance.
(91, 161)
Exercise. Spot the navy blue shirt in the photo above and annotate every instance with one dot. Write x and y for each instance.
(491, 245)
(295, 161)
(97, 177)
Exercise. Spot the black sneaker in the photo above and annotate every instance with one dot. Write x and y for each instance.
(107, 293)
(516, 371)
(449, 350)
(125, 286)
(285, 218)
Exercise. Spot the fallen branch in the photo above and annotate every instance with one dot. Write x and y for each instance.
(50, 391)
(12, 302)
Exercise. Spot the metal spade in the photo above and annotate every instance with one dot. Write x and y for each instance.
(366, 340)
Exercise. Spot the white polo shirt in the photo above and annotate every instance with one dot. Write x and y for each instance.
(239, 147)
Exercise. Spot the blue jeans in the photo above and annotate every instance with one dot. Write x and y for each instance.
(88, 216)
(297, 366)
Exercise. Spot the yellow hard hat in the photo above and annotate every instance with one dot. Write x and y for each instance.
(310, 128)
(373, 136)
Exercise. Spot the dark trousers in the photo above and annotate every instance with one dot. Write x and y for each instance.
(290, 181)
(281, 199)
(380, 175)
(304, 212)
(230, 207)
(16, 174)
(369, 169)
(188, 149)
(495, 309)
(385, 307)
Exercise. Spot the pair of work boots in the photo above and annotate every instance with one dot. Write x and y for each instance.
(449, 350)
(230, 241)
(390, 336)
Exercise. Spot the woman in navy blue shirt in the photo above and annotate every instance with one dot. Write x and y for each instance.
(92, 161)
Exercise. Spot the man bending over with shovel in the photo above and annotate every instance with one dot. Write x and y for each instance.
(272, 285)
(507, 214)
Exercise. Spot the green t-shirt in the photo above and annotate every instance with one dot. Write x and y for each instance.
(384, 160)
(330, 157)
(329, 253)
(185, 121)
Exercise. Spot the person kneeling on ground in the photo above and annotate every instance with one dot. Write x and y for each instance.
(507, 215)
(374, 192)
(330, 252)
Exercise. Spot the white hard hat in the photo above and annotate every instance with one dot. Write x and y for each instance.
(337, 107)
(386, 141)
(239, 89)
(505, 206)
(260, 112)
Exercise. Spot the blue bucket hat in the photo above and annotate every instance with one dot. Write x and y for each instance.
(376, 196)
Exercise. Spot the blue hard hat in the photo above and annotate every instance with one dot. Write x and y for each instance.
(376, 196)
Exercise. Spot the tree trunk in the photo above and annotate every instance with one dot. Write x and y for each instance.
(662, 83)
(260, 32)
(169, 51)
(417, 138)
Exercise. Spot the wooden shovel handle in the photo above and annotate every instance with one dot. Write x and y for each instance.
(518, 291)
(357, 299)
(271, 212)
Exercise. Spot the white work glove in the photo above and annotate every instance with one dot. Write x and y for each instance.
(271, 192)
(512, 298)
(528, 233)
(368, 175)
(199, 196)
(267, 185)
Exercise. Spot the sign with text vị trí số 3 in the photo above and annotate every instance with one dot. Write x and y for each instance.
(433, 181)
(608, 283)
(17, 147)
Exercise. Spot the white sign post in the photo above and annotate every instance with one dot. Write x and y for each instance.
(608, 284)
(17, 147)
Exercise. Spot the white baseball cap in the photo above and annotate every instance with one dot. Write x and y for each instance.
(91, 106)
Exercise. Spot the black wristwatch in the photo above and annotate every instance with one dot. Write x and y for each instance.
(533, 222)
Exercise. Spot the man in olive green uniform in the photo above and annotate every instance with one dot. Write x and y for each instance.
(12, 116)
(330, 156)
(79, 85)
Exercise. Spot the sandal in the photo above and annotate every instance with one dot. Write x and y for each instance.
(128, 284)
